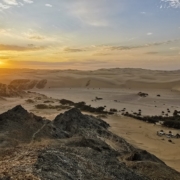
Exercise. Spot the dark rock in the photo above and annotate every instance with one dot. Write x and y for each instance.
(73, 146)
(74, 122)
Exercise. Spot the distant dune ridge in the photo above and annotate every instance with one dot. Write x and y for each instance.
(103, 78)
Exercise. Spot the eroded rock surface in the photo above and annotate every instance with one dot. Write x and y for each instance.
(73, 146)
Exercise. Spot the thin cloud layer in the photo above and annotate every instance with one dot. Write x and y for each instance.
(4, 47)
(11, 2)
(106, 31)
(171, 3)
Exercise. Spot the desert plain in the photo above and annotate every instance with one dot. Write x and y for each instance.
(111, 88)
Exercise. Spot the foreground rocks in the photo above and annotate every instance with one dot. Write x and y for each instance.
(73, 146)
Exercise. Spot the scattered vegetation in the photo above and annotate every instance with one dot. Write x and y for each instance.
(142, 94)
(45, 106)
(97, 98)
(168, 121)
(113, 110)
(83, 107)
(48, 101)
(30, 101)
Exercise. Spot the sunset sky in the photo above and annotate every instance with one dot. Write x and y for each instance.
(90, 34)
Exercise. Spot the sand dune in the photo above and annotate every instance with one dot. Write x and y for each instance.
(104, 78)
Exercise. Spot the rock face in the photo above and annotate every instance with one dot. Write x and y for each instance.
(19, 126)
(26, 84)
(74, 122)
(9, 91)
(73, 146)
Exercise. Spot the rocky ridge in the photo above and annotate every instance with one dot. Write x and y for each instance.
(73, 146)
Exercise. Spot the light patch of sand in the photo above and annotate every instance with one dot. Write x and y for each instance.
(143, 135)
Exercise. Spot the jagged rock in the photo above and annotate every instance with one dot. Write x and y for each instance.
(82, 162)
(20, 125)
(73, 146)
(74, 122)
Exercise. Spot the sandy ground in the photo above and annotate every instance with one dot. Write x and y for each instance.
(120, 98)
(143, 135)
(119, 89)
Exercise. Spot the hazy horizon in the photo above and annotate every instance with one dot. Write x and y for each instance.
(89, 35)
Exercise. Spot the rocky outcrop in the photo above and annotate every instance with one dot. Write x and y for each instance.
(73, 122)
(27, 84)
(10, 91)
(20, 126)
(83, 159)
(73, 146)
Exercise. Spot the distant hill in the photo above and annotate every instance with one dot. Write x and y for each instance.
(25, 79)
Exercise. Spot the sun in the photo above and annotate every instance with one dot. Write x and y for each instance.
(1, 63)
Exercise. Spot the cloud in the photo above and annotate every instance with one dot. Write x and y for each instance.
(36, 37)
(33, 35)
(67, 49)
(91, 14)
(172, 3)
(5, 32)
(11, 2)
(28, 1)
(149, 33)
(122, 48)
(4, 47)
(102, 54)
(4, 57)
(152, 52)
(103, 50)
(48, 5)
(3, 6)
(174, 48)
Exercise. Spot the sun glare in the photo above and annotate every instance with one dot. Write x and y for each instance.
(2, 63)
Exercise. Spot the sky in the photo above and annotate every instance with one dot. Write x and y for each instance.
(90, 34)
